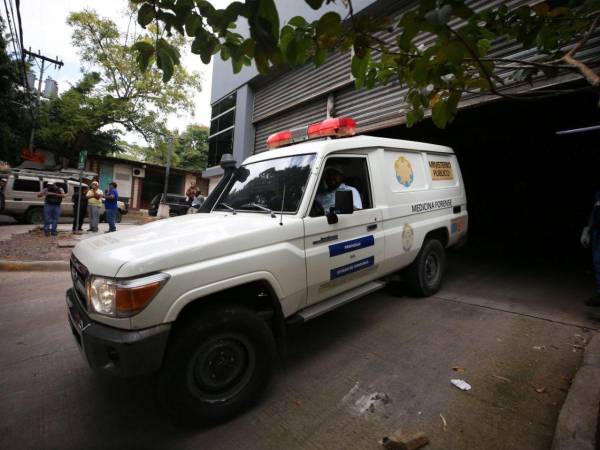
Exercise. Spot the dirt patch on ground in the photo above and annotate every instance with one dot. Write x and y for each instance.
(34, 246)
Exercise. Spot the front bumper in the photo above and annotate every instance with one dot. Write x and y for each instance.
(114, 351)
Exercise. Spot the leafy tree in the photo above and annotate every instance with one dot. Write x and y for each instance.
(77, 120)
(190, 149)
(455, 61)
(14, 119)
(140, 100)
(113, 91)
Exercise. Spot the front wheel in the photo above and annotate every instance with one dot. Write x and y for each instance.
(424, 275)
(217, 365)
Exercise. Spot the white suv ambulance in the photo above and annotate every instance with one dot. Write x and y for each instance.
(205, 299)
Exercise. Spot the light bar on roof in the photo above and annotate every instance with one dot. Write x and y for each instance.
(333, 127)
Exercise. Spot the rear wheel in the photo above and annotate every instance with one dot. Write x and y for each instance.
(217, 365)
(35, 216)
(425, 274)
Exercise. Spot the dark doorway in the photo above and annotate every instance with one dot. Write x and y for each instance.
(154, 183)
(529, 191)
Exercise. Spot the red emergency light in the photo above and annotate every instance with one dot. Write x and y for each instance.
(334, 127)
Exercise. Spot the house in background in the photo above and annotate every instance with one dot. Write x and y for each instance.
(138, 182)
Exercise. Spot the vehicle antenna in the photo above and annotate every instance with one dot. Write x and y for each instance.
(282, 202)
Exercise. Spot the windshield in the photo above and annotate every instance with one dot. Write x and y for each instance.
(259, 187)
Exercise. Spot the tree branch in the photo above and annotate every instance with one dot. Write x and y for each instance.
(591, 76)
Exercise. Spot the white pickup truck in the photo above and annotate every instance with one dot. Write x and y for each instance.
(205, 299)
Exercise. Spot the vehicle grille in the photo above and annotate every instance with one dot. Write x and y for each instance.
(79, 274)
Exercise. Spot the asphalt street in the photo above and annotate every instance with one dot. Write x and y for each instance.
(352, 376)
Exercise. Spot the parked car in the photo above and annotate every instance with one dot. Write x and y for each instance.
(205, 299)
(20, 198)
(178, 205)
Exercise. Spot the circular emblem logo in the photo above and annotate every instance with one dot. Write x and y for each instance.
(407, 237)
(404, 171)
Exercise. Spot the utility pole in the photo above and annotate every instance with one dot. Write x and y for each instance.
(163, 207)
(34, 116)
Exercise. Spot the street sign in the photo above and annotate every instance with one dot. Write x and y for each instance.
(82, 158)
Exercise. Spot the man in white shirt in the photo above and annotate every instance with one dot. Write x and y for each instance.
(334, 182)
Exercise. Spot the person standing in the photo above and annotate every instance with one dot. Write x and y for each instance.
(77, 199)
(591, 236)
(110, 205)
(94, 197)
(191, 193)
(53, 196)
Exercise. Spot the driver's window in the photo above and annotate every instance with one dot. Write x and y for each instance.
(343, 174)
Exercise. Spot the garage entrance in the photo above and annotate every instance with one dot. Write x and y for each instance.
(529, 190)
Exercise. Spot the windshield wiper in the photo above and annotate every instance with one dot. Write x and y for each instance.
(228, 207)
(258, 206)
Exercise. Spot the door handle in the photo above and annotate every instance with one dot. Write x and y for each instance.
(371, 227)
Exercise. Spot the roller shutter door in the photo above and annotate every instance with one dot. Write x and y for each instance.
(304, 115)
(382, 106)
(301, 85)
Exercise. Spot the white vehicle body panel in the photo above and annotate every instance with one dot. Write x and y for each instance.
(305, 260)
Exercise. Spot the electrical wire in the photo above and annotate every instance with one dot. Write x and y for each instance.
(15, 44)
(13, 37)
(18, 7)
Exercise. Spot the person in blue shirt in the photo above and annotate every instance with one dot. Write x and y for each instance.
(110, 204)
(593, 238)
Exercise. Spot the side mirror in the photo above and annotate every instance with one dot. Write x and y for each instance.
(331, 216)
(344, 203)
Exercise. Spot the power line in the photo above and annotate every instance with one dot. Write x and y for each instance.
(12, 13)
(13, 37)
(18, 50)
(18, 4)
(21, 45)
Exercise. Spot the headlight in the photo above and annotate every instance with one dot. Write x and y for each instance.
(122, 298)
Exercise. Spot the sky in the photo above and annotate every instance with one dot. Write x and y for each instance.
(45, 29)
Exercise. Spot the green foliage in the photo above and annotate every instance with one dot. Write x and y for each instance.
(76, 121)
(113, 95)
(457, 59)
(190, 150)
(14, 119)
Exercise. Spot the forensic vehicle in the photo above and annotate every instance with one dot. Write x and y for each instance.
(320, 220)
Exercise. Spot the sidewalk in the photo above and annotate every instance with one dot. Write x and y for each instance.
(24, 247)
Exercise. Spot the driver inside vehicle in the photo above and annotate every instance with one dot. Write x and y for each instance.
(334, 182)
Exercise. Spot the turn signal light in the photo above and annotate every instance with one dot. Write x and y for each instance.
(134, 299)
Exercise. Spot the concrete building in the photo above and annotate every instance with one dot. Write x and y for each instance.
(510, 152)
(138, 182)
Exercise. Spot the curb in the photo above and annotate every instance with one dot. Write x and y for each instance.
(578, 419)
(39, 266)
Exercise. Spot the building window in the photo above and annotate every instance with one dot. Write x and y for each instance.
(222, 123)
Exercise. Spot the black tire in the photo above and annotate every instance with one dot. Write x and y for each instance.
(102, 218)
(118, 217)
(35, 216)
(217, 365)
(2, 203)
(424, 276)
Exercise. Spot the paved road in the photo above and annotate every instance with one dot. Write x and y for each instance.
(512, 331)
